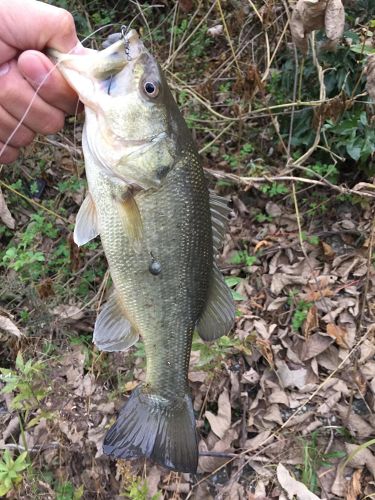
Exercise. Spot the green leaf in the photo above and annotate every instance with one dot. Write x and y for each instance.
(4, 490)
(237, 296)
(232, 281)
(353, 150)
(362, 49)
(19, 361)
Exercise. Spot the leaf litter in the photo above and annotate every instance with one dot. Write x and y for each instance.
(258, 396)
(299, 363)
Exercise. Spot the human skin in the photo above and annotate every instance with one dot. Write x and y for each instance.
(29, 27)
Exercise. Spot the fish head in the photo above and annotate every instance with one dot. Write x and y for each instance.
(127, 100)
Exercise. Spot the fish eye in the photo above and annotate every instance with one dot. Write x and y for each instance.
(151, 89)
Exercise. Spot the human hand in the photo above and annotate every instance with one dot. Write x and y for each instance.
(27, 28)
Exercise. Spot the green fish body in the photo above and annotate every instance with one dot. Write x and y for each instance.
(160, 229)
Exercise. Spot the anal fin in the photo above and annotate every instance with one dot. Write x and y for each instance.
(86, 228)
(113, 331)
(218, 316)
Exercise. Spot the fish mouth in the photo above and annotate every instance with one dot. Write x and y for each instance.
(87, 73)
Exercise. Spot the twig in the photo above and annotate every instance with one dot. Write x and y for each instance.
(34, 449)
(218, 3)
(249, 181)
(33, 202)
(369, 271)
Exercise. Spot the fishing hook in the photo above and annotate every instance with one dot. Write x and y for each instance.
(124, 31)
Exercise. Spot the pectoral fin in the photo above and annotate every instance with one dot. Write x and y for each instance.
(113, 331)
(86, 228)
(218, 316)
(130, 215)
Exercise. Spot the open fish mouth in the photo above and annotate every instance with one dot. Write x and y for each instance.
(94, 72)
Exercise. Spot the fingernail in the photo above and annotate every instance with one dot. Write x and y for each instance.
(4, 69)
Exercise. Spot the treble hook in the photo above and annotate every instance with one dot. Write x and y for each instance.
(124, 31)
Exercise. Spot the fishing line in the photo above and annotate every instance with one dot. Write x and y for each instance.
(40, 86)
(22, 119)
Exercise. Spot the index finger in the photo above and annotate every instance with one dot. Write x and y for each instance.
(30, 24)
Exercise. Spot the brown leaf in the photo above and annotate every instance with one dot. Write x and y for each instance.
(328, 251)
(69, 312)
(310, 15)
(318, 294)
(261, 244)
(281, 280)
(355, 423)
(221, 447)
(250, 377)
(5, 215)
(361, 456)
(354, 489)
(7, 325)
(314, 345)
(311, 322)
(220, 423)
(87, 386)
(334, 19)
(264, 347)
(259, 440)
(292, 486)
(291, 378)
(339, 334)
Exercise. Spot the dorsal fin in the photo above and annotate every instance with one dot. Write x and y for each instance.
(218, 316)
(219, 216)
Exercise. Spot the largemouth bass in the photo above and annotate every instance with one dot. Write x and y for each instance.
(160, 229)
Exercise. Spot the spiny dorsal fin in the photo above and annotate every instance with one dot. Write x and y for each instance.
(218, 316)
(113, 331)
(219, 216)
(86, 228)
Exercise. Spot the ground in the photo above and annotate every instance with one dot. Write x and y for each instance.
(285, 403)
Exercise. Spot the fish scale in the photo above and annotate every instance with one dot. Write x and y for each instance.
(160, 230)
(167, 307)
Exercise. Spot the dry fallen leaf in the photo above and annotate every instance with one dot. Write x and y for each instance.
(215, 30)
(265, 349)
(339, 334)
(66, 311)
(310, 15)
(210, 463)
(291, 378)
(311, 322)
(220, 423)
(5, 215)
(328, 251)
(7, 325)
(292, 486)
(354, 489)
(318, 294)
(360, 457)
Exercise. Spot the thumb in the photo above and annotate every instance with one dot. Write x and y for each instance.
(45, 78)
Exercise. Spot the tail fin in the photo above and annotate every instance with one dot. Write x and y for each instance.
(152, 427)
